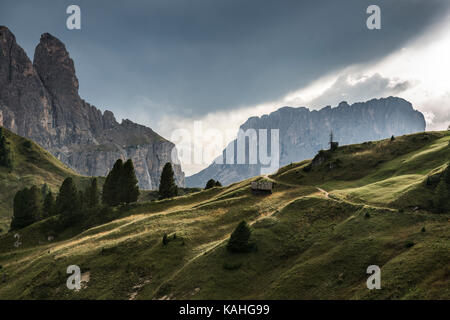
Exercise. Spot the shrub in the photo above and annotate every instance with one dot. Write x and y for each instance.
(232, 265)
(165, 239)
(210, 184)
(409, 244)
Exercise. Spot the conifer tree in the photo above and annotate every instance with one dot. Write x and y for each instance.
(240, 239)
(442, 197)
(44, 190)
(92, 195)
(48, 208)
(111, 187)
(68, 201)
(5, 151)
(167, 186)
(26, 208)
(218, 184)
(129, 183)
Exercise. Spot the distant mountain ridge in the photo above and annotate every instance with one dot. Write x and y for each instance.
(40, 101)
(303, 132)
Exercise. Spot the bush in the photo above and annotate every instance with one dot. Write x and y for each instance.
(27, 144)
(409, 244)
(240, 239)
(165, 239)
(210, 184)
(232, 265)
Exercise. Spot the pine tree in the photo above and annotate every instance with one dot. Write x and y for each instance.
(92, 195)
(240, 239)
(446, 175)
(218, 184)
(129, 183)
(167, 186)
(112, 187)
(5, 151)
(68, 200)
(45, 190)
(210, 184)
(48, 208)
(35, 202)
(442, 197)
(26, 209)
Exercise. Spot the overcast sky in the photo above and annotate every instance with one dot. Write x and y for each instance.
(165, 63)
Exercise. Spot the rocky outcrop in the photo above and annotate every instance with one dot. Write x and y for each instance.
(302, 133)
(40, 101)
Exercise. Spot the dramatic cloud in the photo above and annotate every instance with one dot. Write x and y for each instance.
(203, 56)
(353, 88)
(166, 63)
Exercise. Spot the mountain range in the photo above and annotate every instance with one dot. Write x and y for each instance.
(39, 100)
(303, 132)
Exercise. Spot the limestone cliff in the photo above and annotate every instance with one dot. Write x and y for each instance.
(40, 101)
(303, 132)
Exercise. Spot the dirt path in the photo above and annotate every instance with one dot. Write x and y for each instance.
(324, 192)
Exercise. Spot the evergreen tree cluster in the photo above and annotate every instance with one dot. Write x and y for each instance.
(32, 204)
(27, 207)
(5, 151)
(121, 184)
(212, 183)
(73, 205)
(167, 185)
(441, 199)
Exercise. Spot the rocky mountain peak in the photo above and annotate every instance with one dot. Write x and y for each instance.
(40, 101)
(55, 67)
(6, 35)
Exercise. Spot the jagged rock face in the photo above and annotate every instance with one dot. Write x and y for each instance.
(40, 101)
(302, 133)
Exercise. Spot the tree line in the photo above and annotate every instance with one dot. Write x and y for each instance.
(120, 187)
(34, 204)
(441, 201)
(5, 151)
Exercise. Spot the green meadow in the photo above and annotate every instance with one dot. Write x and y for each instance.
(316, 234)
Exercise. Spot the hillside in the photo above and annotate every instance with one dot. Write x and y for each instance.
(32, 165)
(326, 221)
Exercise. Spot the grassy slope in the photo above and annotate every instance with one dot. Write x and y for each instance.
(316, 235)
(32, 166)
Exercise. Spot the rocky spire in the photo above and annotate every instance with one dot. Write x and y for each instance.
(55, 67)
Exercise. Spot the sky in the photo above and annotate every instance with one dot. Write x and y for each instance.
(169, 63)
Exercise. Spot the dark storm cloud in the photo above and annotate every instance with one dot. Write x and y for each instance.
(362, 89)
(199, 56)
